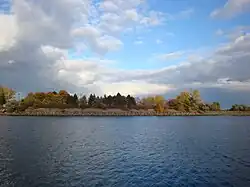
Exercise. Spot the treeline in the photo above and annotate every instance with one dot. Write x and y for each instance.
(240, 108)
(188, 101)
(63, 99)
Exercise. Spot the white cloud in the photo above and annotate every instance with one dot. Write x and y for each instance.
(87, 31)
(135, 88)
(153, 19)
(118, 15)
(229, 63)
(36, 38)
(185, 13)
(132, 14)
(158, 41)
(170, 56)
(234, 33)
(8, 31)
(219, 32)
(138, 42)
(231, 8)
(109, 6)
(170, 34)
(96, 40)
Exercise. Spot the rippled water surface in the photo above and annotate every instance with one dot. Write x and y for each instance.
(124, 151)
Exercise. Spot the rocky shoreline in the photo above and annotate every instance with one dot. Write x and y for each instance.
(79, 112)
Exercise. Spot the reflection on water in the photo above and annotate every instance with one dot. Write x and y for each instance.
(124, 151)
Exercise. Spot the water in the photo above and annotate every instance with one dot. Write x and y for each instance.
(124, 151)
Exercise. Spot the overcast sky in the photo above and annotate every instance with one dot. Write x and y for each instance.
(135, 47)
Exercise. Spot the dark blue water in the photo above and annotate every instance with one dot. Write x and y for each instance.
(125, 151)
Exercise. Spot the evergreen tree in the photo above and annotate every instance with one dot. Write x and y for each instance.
(91, 100)
(2, 97)
(83, 103)
(75, 99)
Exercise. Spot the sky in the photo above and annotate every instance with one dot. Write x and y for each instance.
(137, 47)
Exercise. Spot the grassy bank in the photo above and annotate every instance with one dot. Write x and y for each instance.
(117, 112)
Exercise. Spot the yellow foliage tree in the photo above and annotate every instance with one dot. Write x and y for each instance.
(8, 93)
(159, 108)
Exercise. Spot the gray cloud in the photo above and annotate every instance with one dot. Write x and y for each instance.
(226, 69)
(35, 41)
(231, 8)
(24, 65)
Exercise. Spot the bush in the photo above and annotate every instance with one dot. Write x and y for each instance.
(11, 106)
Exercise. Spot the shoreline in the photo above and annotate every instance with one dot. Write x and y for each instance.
(103, 113)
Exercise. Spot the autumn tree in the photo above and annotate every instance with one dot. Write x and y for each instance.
(9, 93)
(184, 101)
(151, 101)
(172, 104)
(148, 102)
(64, 96)
(196, 97)
(215, 106)
(159, 108)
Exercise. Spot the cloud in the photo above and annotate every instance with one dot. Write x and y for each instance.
(226, 68)
(227, 62)
(170, 56)
(158, 41)
(28, 29)
(8, 32)
(170, 34)
(234, 33)
(153, 19)
(37, 36)
(109, 6)
(122, 14)
(231, 9)
(135, 88)
(138, 42)
(185, 13)
(219, 32)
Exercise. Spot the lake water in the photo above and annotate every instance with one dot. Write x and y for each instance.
(124, 151)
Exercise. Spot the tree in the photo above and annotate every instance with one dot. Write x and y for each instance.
(215, 106)
(2, 97)
(8, 93)
(12, 106)
(83, 103)
(159, 108)
(64, 96)
(147, 103)
(184, 99)
(159, 99)
(196, 97)
(120, 101)
(130, 101)
(240, 108)
(173, 104)
(91, 100)
(109, 101)
(27, 102)
(72, 101)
